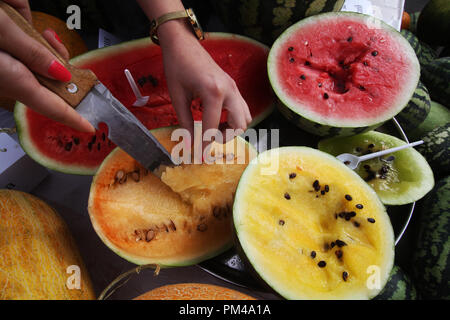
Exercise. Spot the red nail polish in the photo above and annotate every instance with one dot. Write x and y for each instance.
(55, 35)
(59, 72)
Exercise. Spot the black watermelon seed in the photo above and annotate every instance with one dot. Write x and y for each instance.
(322, 192)
(347, 162)
(344, 275)
(327, 188)
(320, 85)
(367, 167)
(291, 48)
(341, 62)
(325, 96)
(349, 39)
(374, 53)
(307, 63)
(153, 80)
(339, 254)
(370, 146)
(281, 222)
(332, 244)
(287, 196)
(68, 146)
(103, 136)
(362, 88)
(292, 175)
(76, 141)
(340, 243)
(94, 138)
(371, 220)
(359, 206)
(316, 185)
(303, 77)
(342, 214)
(322, 264)
(365, 63)
(313, 254)
(390, 158)
(356, 224)
(142, 81)
(291, 60)
(326, 247)
(348, 197)
(358, 149)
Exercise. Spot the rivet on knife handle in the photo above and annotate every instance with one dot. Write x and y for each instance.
(82, 80)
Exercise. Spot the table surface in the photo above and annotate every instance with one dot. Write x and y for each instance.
(68, 194)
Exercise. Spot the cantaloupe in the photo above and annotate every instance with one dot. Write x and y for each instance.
(311, 228)
(38, 256)
(182, 219)
(193, 291)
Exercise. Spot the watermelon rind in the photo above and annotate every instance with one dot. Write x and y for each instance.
(93, 57)
(436, 149)
(436, 77)
(417, 109)
(433, 25)
(398, 287)
(431, 258)
(438, 116)
(327, 127)
(418, 178)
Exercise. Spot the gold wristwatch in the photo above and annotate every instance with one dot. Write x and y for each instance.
(183, 14)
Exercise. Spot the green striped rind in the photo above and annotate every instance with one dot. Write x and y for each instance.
(436, 76)
(265, 20)
(417, 109)
(413, 41)
(398, 287)
(321, 129)
(413, 23)
(427, 54)
(436, 149)
(431, 259)
(327, 127)
(438, 116)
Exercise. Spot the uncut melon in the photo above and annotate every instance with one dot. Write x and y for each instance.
(436, 76)
(433, 25)
(438, 116)
(431, 262)
(193, 291)
(311, 228)
(398, 178)
(399, 287)
(38, 255)
(63, 149)
(342, 73)
(150, 220)
(417, 109)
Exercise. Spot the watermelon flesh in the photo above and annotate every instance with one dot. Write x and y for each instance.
(64, 149)
(342, 70)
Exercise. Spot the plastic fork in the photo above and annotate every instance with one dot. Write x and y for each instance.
(140, 100)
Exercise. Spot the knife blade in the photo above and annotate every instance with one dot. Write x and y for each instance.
(124, 129)
(94, 101)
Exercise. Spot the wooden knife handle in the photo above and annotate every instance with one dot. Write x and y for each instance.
(82, 79)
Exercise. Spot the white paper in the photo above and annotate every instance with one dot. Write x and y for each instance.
(10, 152)
(106, 39)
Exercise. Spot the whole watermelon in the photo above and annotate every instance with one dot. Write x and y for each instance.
(398, 287)
(265, 20)
(431, 259)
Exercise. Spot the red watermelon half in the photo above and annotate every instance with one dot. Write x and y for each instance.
(342, 73)
(61, 148)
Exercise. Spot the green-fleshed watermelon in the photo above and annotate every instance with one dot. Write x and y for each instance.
(265, 20)
(431, 260)
(63, 149)
(438, 116)
(436, 149)
(398, 287)
(436, 77)
(417, 109)
(339, 73)
(433, 26)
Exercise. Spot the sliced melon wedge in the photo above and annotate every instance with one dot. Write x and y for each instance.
(312, 228)
(398, 178)
(145, 221)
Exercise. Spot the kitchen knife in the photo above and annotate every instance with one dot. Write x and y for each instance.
(95, 102)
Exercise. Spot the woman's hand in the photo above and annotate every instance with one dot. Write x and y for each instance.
(192, 73)
(20, 55)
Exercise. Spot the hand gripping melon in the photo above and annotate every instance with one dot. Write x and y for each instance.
(398, 178)
(60, 148)
(180, 220)
(342, 73)
(311, 228)
(38, 255)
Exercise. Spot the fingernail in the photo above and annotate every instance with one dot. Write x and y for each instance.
(55, 35)
(59, 72)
